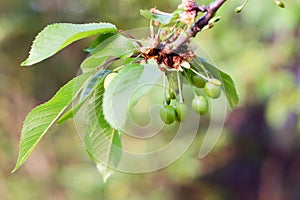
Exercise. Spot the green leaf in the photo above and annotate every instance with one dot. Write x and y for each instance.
(117, 46)
(102, 142)
(57, 36)
(91, 85)
(119, 89)
(145, 85)
(42, 117)
(98, 105)
(70, 113)
(91, 63)
(122, 89)
(228, 84)
(98, 41)
(85, 94)
(163, 18)
(139, 94)
(230, 90)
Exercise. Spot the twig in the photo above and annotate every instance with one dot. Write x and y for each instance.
(210, 11)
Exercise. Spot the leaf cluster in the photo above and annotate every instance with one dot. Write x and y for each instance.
(111, 52)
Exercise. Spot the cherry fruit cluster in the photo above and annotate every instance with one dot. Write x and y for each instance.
(178, 111)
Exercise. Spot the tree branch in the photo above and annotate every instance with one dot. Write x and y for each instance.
(210, 11)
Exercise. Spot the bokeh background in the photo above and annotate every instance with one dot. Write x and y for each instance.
(257, 156)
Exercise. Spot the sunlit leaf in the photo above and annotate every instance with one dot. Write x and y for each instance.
(102, 142)
(145, 85)
(85, 94)
(98, 41)
(118, 88)
(57, 36)
(42, 117)
(91, 63)
(117, 46)
(122, 89)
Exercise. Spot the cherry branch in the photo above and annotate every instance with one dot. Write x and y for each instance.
(198, 26)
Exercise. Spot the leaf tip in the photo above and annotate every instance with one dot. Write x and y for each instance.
(17, 166)
(104, 171)
(24, 63)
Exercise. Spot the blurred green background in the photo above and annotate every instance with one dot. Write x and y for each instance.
(257, 156)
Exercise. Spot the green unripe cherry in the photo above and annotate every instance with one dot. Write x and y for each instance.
(280, 4)
(181, 111)
(198, 81)
(212, 90)
(172, 95)
(108, 79)
(200, 105)
(168, 114)
(238, 9)
(168, 100)
(215, 82)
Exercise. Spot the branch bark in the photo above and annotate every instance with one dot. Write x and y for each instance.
(210, 11)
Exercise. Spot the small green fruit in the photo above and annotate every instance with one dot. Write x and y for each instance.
(168, 101)
(280, 4)
(215, 81)
(200, 105)
(198, 81)
(212, 90)
(108, 79)
(168, 114)
(181, 111)
(172, 95)
(238, 9)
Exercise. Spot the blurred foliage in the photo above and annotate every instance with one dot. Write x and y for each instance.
(257, 156)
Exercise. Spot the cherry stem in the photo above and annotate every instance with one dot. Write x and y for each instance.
(205, 78)
(179, 87)
(165, 89)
